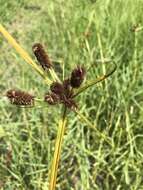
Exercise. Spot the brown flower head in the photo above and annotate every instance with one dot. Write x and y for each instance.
(57, 88)
(18, 97)
(42, 56)
(61, 93)
(52, 98)
(77, 77)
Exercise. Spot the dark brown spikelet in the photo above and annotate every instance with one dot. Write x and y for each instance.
(77, 76)
(41, 56)
(18, 97)
(52, 98)
(57, 88)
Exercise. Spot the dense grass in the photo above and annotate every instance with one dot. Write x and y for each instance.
(72, 30)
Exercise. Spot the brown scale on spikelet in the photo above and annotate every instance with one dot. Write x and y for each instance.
(41, 56)
(18, 97)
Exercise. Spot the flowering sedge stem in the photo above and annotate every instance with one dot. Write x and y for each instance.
(23, 53)
(56, 158)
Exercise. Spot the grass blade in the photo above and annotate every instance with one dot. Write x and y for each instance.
(92, 126)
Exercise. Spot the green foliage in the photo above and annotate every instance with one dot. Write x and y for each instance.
(71, 31)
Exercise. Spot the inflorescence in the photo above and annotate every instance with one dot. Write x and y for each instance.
(63, 92)
(60, 92)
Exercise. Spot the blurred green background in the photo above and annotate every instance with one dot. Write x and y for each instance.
(72, 30)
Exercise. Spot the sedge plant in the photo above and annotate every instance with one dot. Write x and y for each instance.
(61, 92)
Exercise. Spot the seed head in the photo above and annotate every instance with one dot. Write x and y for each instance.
(77, 77)
(41, 56)
(18, 97)
(52, 98)
(57, 88)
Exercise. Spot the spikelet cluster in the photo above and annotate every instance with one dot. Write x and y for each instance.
(63, 92)
(18, 97)
(59, 94)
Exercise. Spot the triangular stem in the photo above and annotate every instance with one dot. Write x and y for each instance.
(58, 145)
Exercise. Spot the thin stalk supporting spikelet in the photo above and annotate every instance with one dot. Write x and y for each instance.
(20, 98)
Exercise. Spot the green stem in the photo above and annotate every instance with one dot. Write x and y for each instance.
(58, 145)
